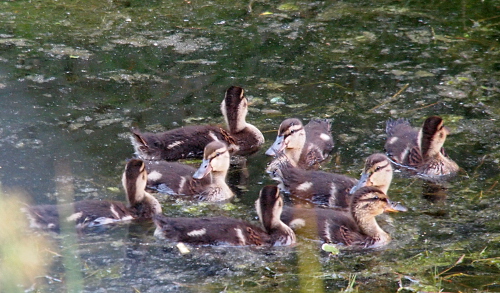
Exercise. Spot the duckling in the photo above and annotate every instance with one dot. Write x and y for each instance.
(189, 141)
(329, 189)
(420, 149)
(229, 231)
(306, 146)
(178, 179)
(354, 226)
(87, 213)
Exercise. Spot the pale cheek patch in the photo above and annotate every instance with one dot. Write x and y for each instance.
(197, 233)
(324, 137)
(392, 140)
(113, 211)
(154, 176)
(333, 190)
(74, 217)
(239, 235)
(182, 183)
(304, 186)
(213, 136)
(174, 144)
(297, 223)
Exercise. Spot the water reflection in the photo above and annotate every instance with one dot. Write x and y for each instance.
(434, 192)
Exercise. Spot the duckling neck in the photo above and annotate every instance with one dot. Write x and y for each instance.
(218, 181)
(294, 155)
(135, 195)
(237, 122)
(430, 146)
(370, 228)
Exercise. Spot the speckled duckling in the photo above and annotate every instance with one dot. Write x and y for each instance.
(420, 149)
(229, 231)
(305, 146)
(329, 189)
(87, 213)
(208, 182)
(241, 137)
(355, 226)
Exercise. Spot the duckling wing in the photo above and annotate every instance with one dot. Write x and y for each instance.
(88, 211)
(318, 187)
(179, 143)
(209, 231)
(319, 143)
(402, 139)
(329, 225)
(169, 177)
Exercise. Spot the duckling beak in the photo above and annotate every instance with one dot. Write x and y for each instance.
(362, 182)
(277, 147)
(204, 169)
(395, 207)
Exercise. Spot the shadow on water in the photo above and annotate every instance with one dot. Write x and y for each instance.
(75, 77)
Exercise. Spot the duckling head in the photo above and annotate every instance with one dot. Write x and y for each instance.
(368, 202)
(377, 173)
(291, 135)
(234, 108)
(134, 181)
(277, 166)
(216, 158)
(432, 136)
(269, 207)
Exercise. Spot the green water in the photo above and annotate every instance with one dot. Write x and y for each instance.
(76, 75)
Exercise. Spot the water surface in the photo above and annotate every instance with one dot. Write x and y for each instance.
(76, 76)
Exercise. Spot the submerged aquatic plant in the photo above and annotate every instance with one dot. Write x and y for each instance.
(21, 261)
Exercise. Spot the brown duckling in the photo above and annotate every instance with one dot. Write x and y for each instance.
(329, 189)
(354, 226)
(87, 213)
(189, 141)
(306, 146)
(420, 149)
(229, 231)
(178, 179)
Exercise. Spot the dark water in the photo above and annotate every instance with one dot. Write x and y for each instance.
(74, 77)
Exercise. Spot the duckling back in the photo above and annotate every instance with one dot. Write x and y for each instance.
(210, 231)
(179, 143)
(229, 231)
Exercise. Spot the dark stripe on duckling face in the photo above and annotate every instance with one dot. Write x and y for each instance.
(375, 159)
(367, 201)
(289, 127)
